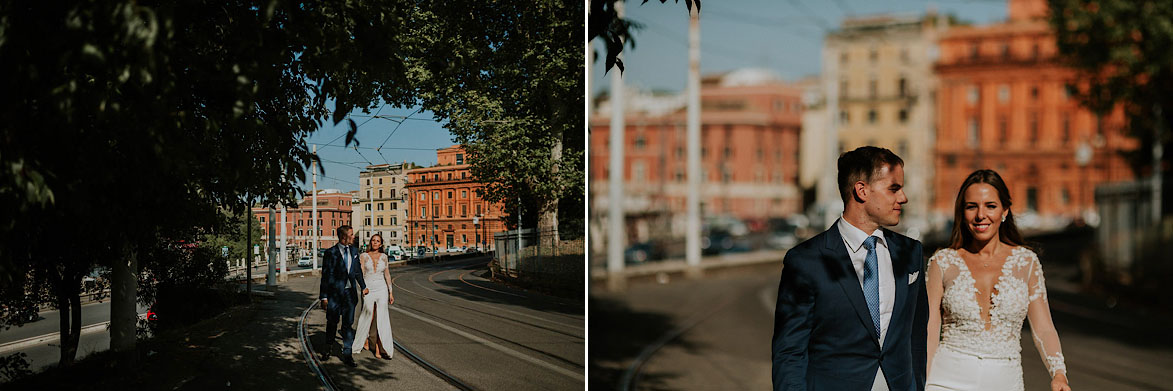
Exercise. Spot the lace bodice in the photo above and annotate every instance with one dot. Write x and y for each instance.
(1019, 293)
(372, 272)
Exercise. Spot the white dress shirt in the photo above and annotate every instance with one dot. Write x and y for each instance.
(853, 238)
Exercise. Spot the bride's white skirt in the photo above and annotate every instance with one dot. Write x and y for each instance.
(375, 299)
(956, 371)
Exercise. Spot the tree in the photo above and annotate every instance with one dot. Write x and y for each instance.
(604, 23)
(155, 116)
(1120, 51)
(510, 88)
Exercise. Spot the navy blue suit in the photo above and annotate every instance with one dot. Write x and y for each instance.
(340, 302)
(824, 336)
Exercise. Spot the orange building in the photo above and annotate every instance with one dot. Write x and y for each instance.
(334, 209)
(1003, 105)
(750, 123)
(444, 209)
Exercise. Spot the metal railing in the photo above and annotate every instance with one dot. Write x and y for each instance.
(540, 258)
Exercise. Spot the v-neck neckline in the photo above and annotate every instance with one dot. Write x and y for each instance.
(994, 293)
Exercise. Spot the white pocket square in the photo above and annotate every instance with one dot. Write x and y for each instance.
(912, 277)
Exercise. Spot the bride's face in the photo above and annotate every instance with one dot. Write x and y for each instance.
(376, 242)
(983, 211)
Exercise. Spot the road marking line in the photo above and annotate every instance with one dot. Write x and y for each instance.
(498, 347)
(488, 289)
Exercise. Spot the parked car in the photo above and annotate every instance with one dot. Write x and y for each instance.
(305, 261)
(643, 252)
(395, 253)
(454, 250)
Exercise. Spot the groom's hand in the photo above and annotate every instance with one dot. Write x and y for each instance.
(324, 303)
(365, 291)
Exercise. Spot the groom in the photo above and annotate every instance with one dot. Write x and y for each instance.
(852, 309)
(340, 274)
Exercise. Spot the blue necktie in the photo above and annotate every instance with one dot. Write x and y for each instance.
(871, 283)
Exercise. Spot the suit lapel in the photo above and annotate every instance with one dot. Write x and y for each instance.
(899, 257)
(850, 282)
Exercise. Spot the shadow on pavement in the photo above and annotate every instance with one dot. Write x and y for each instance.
(535, 301)
(620, 335)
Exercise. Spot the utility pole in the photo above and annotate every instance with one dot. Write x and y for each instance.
(314, 212)
(693, 235)
(284, 252)
(248, 249)
(616, 235)
(271, 277)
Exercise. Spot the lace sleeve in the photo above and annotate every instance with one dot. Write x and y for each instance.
(935, 285)
(1041, 327)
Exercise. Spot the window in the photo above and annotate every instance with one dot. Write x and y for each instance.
(449, 227)
(394, 234)
(640, 142)
(368, 181)
(872, 116)
(1066, 129)
(380, 206)
(380, 221)
(394, 221)
(843, 117)
(393, 193)
(973, 51)
(464, 210)
(449, 210)
(435, 177)
(1034, 51)
(478, 209)
(380, 193)
(1034, 128)
(903, 114)
(1034, 92)
(340, 203)
(366, 221)
(1003, 93)
(436, 210)
(300, 232)
(464, 194)
(449, 176)
(424, 212)
(463, 174)
(1005, 51)
(460, 158)
(423, 196)
(380, 181)
(1064, 196)
(1003, 132)
(463, 238)
(435, 195)
(450, 195)
(394, 206)
(392, 179)
(262, 219)
(464, 226)
(974, 131)
(973, 95)
(902, 86)
(1032, 198)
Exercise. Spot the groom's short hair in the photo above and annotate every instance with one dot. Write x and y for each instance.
(343, 230)
(862, 164)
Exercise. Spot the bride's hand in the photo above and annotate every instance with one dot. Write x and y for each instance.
(1059, 383)
(390, 300)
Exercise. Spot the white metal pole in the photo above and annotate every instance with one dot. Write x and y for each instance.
(314, 212)
(693, 236)
(616, 234)
(284, 239)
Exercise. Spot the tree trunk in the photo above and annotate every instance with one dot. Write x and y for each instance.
(548, 222)
(123, 314)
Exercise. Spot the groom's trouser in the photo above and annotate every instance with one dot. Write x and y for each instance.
(342, 308)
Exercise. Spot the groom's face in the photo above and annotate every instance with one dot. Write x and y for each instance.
(885, 196)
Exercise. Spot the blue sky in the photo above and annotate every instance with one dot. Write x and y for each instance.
(785, 36)
(415, 141)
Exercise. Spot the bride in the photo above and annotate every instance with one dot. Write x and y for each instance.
(375, 322)
(980, 290)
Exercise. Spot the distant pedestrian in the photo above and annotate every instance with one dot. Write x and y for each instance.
(980, 289)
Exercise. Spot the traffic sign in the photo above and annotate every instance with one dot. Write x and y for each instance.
(224, 251)
(256, 249)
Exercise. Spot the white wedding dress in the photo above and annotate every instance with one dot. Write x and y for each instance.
(974, 354)
(376, 298)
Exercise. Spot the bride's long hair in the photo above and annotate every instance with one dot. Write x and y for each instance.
(1007, 231)
(381, 244)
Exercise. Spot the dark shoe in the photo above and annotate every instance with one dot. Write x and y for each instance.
(349, 361)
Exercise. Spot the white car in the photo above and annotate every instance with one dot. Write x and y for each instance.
(305, 261)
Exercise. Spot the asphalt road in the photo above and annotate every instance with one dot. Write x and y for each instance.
(714, 333)
(487, 335)
(48, 353)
